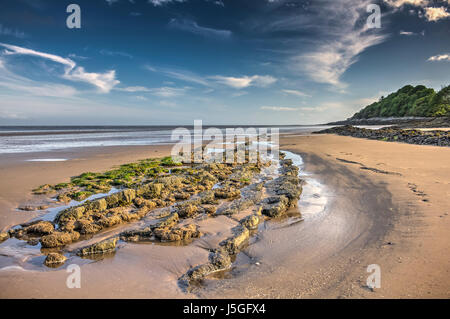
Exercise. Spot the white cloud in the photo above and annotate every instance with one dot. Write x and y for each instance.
(400, 3)
(431, 13)
(103, 81)
(440, 57)
(11, 32)
(12, 49)
(435, 14)
(279, 108)
(296, 92)
(158, 3)
(167, 103)
(115, 53)
(239, 93)
(245, 81)
(8, 115)
(341, 39)
(16, 82)
(193, 27)
(167, 92)
(180, 75)
(79, 57)
(134, 89)
(409, 33)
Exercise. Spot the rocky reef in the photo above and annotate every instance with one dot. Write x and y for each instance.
(392, 134)
(281, 194)
(163, 203)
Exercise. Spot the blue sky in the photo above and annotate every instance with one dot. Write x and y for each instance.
(224, 62)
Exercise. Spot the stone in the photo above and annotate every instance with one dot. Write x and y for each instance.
(250, 222)
(85, 227)
(169, 221)
(227, 193)
(235, 243)
(4, 236)
(177, 233)
(98, 205)
(57, 239)
(136, 235)
(40, 228)
(54, 259)
(72, 213)
(187, 210)
(105, 246)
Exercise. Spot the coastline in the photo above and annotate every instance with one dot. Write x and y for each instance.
(354, 232)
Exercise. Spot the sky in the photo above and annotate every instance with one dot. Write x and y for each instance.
(252, 62)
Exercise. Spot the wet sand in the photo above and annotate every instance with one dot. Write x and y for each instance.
(372, 215)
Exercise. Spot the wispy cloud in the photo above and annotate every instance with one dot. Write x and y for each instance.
(77, 57)
(103, 81)
(296, 92)
(115, 53)
(182, 75)
(164, 92)
(158, 3)
(342, 38)
(440, 57)
(245, 81)
(167, 92)
(11, 32)
(134, 89)
(16, 82)
(401, 3)
(213, 81)
(279, 108)
(409, 33)
(193, 27)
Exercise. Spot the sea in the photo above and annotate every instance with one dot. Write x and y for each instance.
(27, 139)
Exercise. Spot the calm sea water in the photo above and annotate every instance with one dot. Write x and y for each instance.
(23, 139)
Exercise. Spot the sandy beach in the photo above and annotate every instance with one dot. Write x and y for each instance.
(365, 202)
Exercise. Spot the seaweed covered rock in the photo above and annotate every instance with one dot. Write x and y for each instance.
(219, 260)
(40, 228)
(393, 134)
(57, 239)
(186, 210)
(55, 260)
(72, 213)
(250, 222)
(137, 235)
(103, 247)
(290, 188)
(4, 236)
(177, 233)
(275, 206)
(85, 227)
(227, 193)
(236, 242)
(169, 221)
